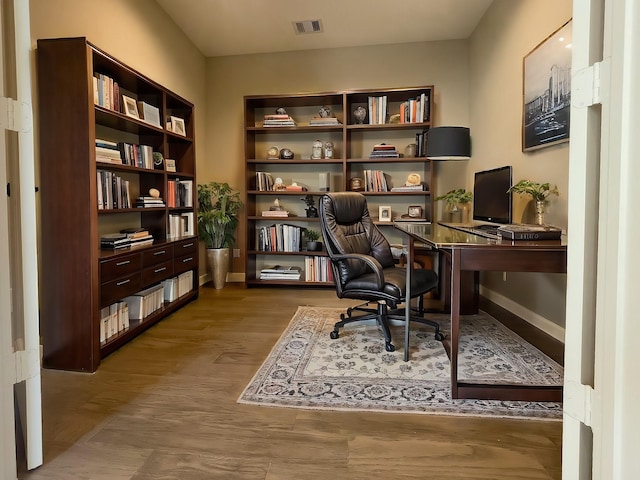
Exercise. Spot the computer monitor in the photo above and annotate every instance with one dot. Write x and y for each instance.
(491, 202)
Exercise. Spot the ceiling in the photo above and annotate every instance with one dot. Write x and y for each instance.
(238, 27)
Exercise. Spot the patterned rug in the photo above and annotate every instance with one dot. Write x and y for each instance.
(307, 369)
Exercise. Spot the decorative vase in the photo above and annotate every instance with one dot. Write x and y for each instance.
(454, 213)
(465, 213)
(359, 114)
(540, 207)
(218, 262)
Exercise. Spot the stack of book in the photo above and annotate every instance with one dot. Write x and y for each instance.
(410, 188)
(275, 213)
(324, 121)
(280, 272)
(278, 120)
(529, 232)
(149, 202)
(138, 236)
(107, 152)
(384, 151)
(114, 240)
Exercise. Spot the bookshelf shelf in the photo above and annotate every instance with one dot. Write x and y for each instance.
(79, 279)
(353, 143)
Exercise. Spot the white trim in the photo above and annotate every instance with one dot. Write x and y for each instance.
(544, 324)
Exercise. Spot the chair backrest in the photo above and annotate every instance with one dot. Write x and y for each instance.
(347, 228)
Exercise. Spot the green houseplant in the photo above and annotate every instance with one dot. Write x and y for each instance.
(218, 217)
(455, 199)
(539, 192)
(312, 237)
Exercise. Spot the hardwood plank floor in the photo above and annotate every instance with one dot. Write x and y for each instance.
(164, 407)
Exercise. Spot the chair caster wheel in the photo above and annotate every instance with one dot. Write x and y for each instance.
(389, 347)
(334, 334)
(439, 336)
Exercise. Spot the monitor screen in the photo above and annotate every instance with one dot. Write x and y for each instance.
(491, 202)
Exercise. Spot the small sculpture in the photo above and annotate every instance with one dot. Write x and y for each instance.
(312, 211)
(316, 150)
(279, 185)
(281, 111)
(154, 192)
(286, 154)
(359, 114)
(325, 112)
(276, 206)
(328, 149)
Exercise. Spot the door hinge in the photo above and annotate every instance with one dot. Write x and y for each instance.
(590, 85)
(578, 401)
(27, 364)
(15, 115)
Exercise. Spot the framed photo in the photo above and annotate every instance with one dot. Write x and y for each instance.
(130, 107)
(177, 126)
(170, 165)
(547, 91)
(384, 214)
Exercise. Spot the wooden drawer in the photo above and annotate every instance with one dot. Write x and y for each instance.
(115, 290)
(119, 267)
(157, 255)
(185, 247)
(157, 273)
(182, 264)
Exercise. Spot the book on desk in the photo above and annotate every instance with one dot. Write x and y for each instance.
(521, 231)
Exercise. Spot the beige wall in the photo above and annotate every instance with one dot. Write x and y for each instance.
(442, 64)
(509, 30)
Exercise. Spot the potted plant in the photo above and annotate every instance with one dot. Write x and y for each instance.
(312, 237)
(539, 192)
(457, 201)
(218, 209)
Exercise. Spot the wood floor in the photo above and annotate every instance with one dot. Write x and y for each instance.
(164, 407)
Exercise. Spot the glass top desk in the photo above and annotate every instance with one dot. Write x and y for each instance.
(469, 252)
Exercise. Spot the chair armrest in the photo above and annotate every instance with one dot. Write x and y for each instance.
(369, 260)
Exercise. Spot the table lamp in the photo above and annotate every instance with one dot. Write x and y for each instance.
(448, 143)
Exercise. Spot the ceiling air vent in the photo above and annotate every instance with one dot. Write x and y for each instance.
(307, 26)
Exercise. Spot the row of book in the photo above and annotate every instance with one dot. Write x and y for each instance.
(131, 237)
(280, 237)
(112, 190)
(317, 269)
(278, 120)
(180, 225)
(116, 319)
(377, 110)
(122, 153)
(264, 182)
(179, 193)
(375, 181)
(106, 92)
(415, 110)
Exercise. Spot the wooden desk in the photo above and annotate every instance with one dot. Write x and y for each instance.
(471, 253)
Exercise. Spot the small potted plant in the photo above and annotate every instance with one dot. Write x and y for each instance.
(457, 201)
(312, 237)
(540, 193)
(218, 217)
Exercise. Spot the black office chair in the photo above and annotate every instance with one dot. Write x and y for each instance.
(364, 268)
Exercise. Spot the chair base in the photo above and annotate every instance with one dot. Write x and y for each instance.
(382, 315)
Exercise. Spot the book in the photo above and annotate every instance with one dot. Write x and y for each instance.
(529, 232)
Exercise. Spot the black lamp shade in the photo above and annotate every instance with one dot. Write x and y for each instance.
(448, 142)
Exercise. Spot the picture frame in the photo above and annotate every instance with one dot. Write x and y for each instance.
(384, 213)
(546, 91)
(170, 165)
(130, 107)
(177, 126)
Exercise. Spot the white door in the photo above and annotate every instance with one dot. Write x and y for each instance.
(20, 392)
(602, 351)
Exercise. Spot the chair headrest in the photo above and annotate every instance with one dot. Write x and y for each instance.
(347, 207)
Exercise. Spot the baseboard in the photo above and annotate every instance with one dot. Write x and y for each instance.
(545, 325)
(231, 278)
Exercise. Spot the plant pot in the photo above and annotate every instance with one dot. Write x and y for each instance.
(314, 246)
(218, 262)
(540, 209)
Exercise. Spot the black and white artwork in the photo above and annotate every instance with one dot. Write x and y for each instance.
(547, 91)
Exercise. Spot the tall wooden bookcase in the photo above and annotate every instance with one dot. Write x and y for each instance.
(78, 278)
(352, 144)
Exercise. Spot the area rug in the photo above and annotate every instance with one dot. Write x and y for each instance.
(307, 369)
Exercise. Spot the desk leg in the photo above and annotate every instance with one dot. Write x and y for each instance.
(407, 303)
(455, 318)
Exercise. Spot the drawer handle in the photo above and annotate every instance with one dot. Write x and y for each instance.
(119, 264)
(187, 245)
(123, 282)
(187, 260)
(158, 270)
(160, 253)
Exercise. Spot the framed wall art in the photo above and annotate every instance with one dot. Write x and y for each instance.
(130, 107)
(547, 91)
